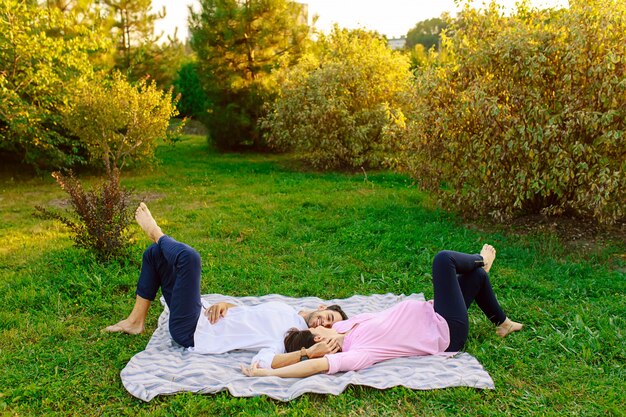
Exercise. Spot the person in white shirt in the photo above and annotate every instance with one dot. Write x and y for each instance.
(176, 268)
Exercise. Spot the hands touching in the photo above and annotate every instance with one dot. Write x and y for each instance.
(326, 346)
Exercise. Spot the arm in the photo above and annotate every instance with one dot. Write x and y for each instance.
(297, 370)
(216, 311)
(316, 351)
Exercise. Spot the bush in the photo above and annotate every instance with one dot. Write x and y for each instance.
(344, 106)
(43, 56)
(119, 122)
(527, 114)
(103, 215)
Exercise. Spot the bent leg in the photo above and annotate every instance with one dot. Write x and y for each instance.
(153, 266)
(181, 288)
(476, 286)
(175, 268)
(449, 301)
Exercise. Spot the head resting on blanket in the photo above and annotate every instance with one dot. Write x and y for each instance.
(297, 339)
(325, 316)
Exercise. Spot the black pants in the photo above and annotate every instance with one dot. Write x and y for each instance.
(175, 268)
(458, 280)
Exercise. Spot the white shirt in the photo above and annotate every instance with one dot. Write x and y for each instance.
(261, 327)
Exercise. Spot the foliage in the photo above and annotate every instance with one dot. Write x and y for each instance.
(193, 102)
(133, 30)
(91, 15)
(426, 33)
(103, 215)
(160, 62)
(118, 121)
(238, 44)
(134, 49)
(344, 106)
(39, 68)
(528, 114)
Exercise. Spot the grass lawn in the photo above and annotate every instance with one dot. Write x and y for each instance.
(264, 227)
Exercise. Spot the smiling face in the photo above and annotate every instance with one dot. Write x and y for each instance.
(321, 333)
(323, 318)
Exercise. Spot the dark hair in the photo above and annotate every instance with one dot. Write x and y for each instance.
(338, 309)
(298, 339)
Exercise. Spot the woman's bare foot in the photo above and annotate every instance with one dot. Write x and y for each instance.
(148, 224)
(509, 326)
(126, 326)
(488, 253)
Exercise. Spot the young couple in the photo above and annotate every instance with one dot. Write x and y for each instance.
(294, 343)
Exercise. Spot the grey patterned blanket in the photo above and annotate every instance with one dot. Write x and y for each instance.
(165, 368)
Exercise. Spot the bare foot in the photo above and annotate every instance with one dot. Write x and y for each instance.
(126, 326)
(509, 326)
(488, 253)
(148, 224)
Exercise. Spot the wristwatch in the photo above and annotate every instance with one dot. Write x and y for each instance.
(303, 355)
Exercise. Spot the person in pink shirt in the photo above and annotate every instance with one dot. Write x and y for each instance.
(410, 327)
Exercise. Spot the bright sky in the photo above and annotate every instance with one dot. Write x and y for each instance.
(393, 18)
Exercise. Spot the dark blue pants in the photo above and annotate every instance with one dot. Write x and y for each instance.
(175, 268)
(458, 280)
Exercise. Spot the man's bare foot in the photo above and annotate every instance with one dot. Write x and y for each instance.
(126, 326)
(148, 224)
(509, 326)
(488, 253)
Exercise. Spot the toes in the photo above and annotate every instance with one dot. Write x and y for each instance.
(113, 328)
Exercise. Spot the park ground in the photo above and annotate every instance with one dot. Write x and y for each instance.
(263, 224)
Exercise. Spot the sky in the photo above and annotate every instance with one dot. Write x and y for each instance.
(393, 18)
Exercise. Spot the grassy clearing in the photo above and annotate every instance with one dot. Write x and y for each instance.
(265, 228)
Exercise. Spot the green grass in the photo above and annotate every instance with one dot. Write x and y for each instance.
(264, 227)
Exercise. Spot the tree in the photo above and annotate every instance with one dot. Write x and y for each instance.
(160, 62)
(238, 43)
(426, 33)
(193, 101)
(344, 106)
(89, 15)
(133, 30)
(39, 69)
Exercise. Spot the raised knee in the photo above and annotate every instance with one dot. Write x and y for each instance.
(442, 256)
(482, 274)
(189, 257)
(149, 253)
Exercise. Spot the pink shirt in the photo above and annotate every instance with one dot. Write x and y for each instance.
(409, 328)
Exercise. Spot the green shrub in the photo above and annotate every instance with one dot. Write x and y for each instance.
(342, 107)
(527, 114)
(119, 122)
(100, 217)
(43, 55)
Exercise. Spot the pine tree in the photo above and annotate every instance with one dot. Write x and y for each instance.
(238, 43)
(133, 30)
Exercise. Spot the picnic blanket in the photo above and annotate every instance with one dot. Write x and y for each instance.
(166, 368)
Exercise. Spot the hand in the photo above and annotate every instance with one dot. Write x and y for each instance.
(323, 348)
(253, 370)
(337, 339)
(216, 311)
